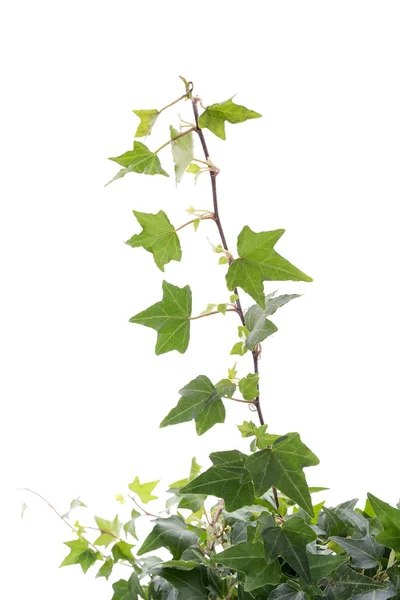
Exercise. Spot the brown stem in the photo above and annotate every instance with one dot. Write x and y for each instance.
(145, 512)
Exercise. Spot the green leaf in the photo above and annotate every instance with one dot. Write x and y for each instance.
(239, 348)
(259, 262)
(138, 160)
(143, 490)
(286, 592)
(263, 439)
(147, 120)
(227, 479)
(171, 533)
(158, 236)
(80, 554)
(122, 550)
(128, 590)
(196, 224)
(130, 526)
(394, 574)
(199, 400)
(390, 520)
(225, 388)
(223, 260)
(106, 569)
(332, 523)
(281, 466)
(365, 552)
(161, 589)
(182, 152)
(191, 585)
(346, 583)
(249, 558)
(170, 318)
(384, 594)
(256, 318)
(193, 168)
(74, 504)
(290, 541)
(322, 565)
(193, 502)
(248, 386)
(110, 531)
(214, 117)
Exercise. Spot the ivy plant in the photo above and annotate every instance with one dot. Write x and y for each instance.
(247, 527)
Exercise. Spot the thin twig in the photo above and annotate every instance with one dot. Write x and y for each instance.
(213, 312)
(177, 137)
(148, 514)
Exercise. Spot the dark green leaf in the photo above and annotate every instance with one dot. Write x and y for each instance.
(128, 590)
(238, 533)
(80, 554)
(147, 120)
(290, 541)
(346, 583)
(193, 502)
(138, 160)
(281, 466)
(199, 400)
(214, 117)
(258, 262)
(365, 552)
(249, 558)
(171, 533)
(170, 318)
(227, 479)
(286, 592)
(388, 592)
(394, 574)
(191, 585)
(182, 152)
(322, 565)
(158, 236)
(161, 589)
(332, 524)
(390, 520)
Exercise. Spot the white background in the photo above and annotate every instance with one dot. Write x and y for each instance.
(82, 392)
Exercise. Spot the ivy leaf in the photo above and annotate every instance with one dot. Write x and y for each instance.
(128, 590)
(384, 594)
(143, 490)
(161, 589)
(138, 160)
(390, 520)
(322, 565)
(147, 120)
(80, 554)
(122, 550)
(290, 541)
(249, 558)
(258, 262)
(130, 526)
(76, 503)
(365, 552)
(281, 466)
(332, 523)
(106, 569)
(286, 592)
(248, 386)
(199, 400)
(214, 117)
(191, 585)
(158, 236)
(171, 533)
(227, 479)
(110, 531)
(259, 326)
(170, 318)
(346, 583)
(182, 152)
(239, 348)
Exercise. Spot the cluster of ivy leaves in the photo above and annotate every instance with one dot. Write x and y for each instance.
(265, 538)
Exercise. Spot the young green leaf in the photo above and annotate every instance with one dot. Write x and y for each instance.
(143, 490)
(214, 117)
(106, 569)
(138, 160)
(110, 531)
(248, 386)
(171, 533)
(158, 236)
(128, 590)
(249, 558)
(122, 551)
(199, 400)
(182, 152)
(227, 479)
(239, 348)
(170, 318)
(282, 466)
(258, 262)
(147, 120)
(80, 554)
(130, 526)
(390, 520)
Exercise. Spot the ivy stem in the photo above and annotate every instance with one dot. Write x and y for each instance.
(177, 137)
(239, 400)
(172, 103)
(148, 514)
(193, 220)
(63, 518)
(213, 312)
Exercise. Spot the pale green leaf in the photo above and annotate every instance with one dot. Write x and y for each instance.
(182, 152)
(147, 120)
(144, 490)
